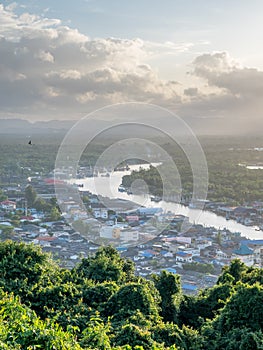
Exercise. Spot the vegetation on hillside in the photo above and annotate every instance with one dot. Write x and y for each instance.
(101, 304)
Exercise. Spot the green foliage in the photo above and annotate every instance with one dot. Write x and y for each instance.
(30, 195)
(228, 181)
(107, 265)
(3, 197)
(169, 287)
(130, 298)
(243, 309)
(101, 305)
(23, 267)
(170, 334)
(41, 205)
(97, 295)
(194, 310)
(96, 335)
(199, 267)
(236, 269)
(134, 336)
(55, 214)
(20, 328)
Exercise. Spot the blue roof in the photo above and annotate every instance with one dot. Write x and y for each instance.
(252, 241)
(170, 269)
(243, 250)
(189, 287)
(198, 259)
(121, 249)
(163, 252)
(147, 254)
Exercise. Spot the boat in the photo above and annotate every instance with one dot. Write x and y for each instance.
(121, 188)
(155, 199)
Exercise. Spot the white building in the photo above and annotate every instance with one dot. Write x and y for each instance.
(100, 213)
(8, 205)
(183, 257)
(119, 232)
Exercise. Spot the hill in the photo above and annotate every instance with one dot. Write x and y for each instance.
(101, 304)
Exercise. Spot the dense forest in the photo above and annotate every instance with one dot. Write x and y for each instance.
(230, 180)
(101, 304)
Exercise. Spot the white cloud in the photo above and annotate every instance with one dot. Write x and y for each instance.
(65, 69)
(221, 71)
(48, 68)
(45, 56)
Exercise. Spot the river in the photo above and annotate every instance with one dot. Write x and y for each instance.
(108, 187)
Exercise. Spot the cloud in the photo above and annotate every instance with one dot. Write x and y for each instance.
(49, 71)
(47, 67)
(229, 91)
(191, 91)
(221, 71)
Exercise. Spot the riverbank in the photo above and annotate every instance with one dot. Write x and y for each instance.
(108, 187)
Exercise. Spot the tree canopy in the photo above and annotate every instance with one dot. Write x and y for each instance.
(101, 304)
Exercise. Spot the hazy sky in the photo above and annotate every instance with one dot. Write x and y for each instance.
(202, 59)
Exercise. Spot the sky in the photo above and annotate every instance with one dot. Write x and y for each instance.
(201, 59)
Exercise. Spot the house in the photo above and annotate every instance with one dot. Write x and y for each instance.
(70, 205)
(241, 212)
(183, 257)
(202, 243)
(31, 228)
(129, 235)
(44, 240)
(223, 253)
(257, 246)
(245, 254)
(132, 218)
(119, 232)
(8, 205)
(99, 211)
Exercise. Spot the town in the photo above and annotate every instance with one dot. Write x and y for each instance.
(70, 230)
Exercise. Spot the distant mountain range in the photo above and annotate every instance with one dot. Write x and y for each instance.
(150, 126)
(25, 127)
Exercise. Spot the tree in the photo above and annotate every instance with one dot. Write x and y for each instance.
(170, 334)
(97, 295)
(95, 336)
(134, 336)
(41, 205)
(194, 310)
(23, 266)
(107, 265)
(55, 214)
(236, 269)
(244, 309)
(169, 287)
(30, 195)
(3, 197)
(20, 328)
(133, 297)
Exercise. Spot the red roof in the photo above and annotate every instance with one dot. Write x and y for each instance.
(132, 218)
(8, 202)
(46, 238)
(29, 217)
(54, 182)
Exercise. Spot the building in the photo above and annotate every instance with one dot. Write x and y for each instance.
(99, 211)
(245, 254)
(183, 257)
(8, 205)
